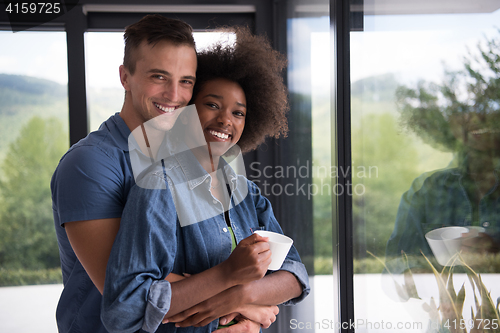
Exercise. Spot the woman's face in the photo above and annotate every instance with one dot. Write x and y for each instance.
(221, 107)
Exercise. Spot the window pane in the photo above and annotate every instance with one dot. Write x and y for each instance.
(308, 52)
(425, 148)
(34, 136)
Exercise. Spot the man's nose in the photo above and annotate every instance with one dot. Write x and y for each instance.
(171, 91)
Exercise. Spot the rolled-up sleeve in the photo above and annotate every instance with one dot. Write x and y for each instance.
(136, 295)
(299, 270)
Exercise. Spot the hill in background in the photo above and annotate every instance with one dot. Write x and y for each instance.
(23, 97)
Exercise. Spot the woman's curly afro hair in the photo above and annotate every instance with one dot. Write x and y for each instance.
(257, 68)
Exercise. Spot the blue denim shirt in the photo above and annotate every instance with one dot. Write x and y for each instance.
(152, 242)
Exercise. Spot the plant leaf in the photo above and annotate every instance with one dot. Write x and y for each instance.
(459, 303)
(446, 303)
(410, 287)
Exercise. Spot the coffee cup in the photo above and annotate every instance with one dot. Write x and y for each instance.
(447, 242)
(279, 245)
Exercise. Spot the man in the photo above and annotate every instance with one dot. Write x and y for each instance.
(91, 183)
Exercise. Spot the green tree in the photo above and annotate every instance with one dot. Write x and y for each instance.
(27, 236)
(442, 114)
(384, 164)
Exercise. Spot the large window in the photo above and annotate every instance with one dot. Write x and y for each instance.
(425, 149)
(34, 135)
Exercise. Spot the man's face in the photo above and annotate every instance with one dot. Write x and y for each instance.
(161, 84)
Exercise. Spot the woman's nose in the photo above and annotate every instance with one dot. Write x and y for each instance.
(224, 117)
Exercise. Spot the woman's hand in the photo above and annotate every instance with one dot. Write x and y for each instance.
(249, 260)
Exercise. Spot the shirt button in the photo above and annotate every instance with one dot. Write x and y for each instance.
(214, 201)
(207, 181)
(486, 224)
(225, 229)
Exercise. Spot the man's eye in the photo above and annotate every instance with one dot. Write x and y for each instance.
(187, 82)
(158, 76)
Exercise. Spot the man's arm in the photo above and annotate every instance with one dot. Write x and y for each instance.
(92, 241)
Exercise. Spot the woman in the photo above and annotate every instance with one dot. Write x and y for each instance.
(195, 208)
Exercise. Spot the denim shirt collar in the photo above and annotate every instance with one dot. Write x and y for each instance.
(196, 175)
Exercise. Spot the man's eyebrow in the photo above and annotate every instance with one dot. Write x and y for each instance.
(160, 71)
(189, 77)
(166, 73)
(220, 97)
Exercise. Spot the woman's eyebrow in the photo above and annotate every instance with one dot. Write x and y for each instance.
(221, 97)
(214, 96)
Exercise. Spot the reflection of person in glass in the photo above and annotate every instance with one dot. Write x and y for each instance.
(240, 98)
(467, 192)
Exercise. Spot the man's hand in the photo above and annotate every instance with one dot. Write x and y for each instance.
(265, 315)
(242, 326)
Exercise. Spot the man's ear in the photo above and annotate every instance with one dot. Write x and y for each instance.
(124, 77)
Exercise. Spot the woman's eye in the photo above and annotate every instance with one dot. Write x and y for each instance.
(212, 105)
(239, 114)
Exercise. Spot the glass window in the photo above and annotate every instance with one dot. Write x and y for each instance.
(425, 152)
(34, 136)
(310, 155)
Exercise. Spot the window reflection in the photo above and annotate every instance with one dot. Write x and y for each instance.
(425, 110)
